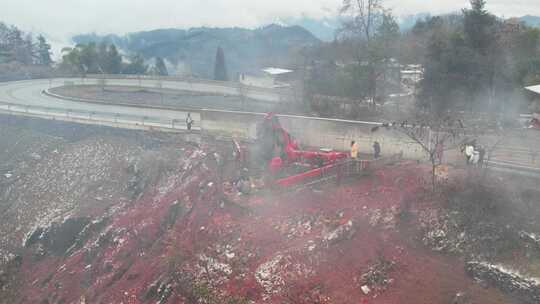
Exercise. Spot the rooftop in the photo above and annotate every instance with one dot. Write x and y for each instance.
(277, 71)
(534, 89)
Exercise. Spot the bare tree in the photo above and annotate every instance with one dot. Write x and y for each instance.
(370, 29)
(363, 17)
(435, 135)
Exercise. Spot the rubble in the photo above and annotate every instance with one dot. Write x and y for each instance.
(377, 276)
(527, 289)
(268, 275)
(531, 239)
(58, 237)
(386, 218)
(275, 275)
(214, 270)
(461, 298)
(365, 289)
(343, 232)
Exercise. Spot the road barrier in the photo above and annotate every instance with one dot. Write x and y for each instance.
(274, 95)
(115, 120)
(517, 152)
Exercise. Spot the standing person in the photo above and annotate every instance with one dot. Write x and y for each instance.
(189, 121)
(376, 150)
(354, 150)
(439, 152)
(481, 155)
(469, 153)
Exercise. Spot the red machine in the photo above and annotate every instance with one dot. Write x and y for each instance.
(289, 151)
(535, 121)
(280, 151)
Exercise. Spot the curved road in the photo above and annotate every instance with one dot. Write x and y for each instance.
(31, 93)
(27, 96)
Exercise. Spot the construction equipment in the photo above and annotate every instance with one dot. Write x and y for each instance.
(280, 159)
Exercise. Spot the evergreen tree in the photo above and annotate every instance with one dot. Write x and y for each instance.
(109, 59)
(220, 69)
(89, 58)
(16, 46)
(44, 51)
(161, 69)
(114, 60)
(102, 58)
(27, 51)
(136, 66)
(388, 36)
(71, 60)
(479, 26)
(5, 54)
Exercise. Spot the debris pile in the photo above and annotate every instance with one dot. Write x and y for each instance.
(341, 233)
(384, 218)
(377, 276)
(477, 221)
(510, 282)
(439, 234)
(79, 179)
(531, 239)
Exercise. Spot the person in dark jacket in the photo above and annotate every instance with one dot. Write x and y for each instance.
(376, 150)
(189, 121)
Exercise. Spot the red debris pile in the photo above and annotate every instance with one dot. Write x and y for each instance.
(181, 243)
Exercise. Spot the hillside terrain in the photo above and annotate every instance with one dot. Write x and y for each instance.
(531, 20)
(95, 215)
(194, 50)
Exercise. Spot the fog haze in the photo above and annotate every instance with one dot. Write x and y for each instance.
(58, 20)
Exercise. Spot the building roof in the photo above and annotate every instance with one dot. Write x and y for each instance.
(276, 71)
(534, 89)
(406, 72)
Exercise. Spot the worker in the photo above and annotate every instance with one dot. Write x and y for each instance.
(354, 150)
(376, 150)
(535, 121)
(473, 154)
(481, 155)
(439, 152)
(243, 184)
(469, 153)
(189, 121)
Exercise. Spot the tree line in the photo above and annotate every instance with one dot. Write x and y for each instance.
(17, 46)
(475, 61)
(472, 60)
(23, 49)
(103, 58)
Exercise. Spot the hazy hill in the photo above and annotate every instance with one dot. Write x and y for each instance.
(324, 29)
(531, 20)
(195, 49)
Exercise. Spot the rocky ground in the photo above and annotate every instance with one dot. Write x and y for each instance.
(110, 217)
(57, 174)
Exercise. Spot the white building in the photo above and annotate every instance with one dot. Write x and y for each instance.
(412, 74)
(270, 78)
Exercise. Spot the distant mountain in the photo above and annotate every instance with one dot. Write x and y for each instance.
(194, 50)
(324, 29)
(531, 20)
(407, 22)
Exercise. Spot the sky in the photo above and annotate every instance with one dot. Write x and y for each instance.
(61, 19)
